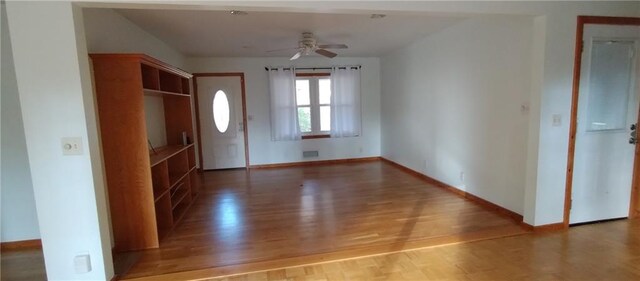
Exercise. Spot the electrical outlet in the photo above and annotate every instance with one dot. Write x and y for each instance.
(82, 263)
(72, 146)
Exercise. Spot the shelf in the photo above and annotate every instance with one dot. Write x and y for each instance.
(150, 77)
(166, 152)
(181, 197)
(185, 86)
(152, 92)
(177, 180)
(161, 195)
(170, 82)
(159, 179)
(164, 215)
(140, 188)
(179, 212)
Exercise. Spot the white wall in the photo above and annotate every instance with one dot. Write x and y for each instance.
(54, 87)
(451, 103)
(109, 32)
(19, 219)
(555, 98)
(262, 150)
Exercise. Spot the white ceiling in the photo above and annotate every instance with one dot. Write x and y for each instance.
(221, 34)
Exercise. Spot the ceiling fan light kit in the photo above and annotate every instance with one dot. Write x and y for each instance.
(308, 44)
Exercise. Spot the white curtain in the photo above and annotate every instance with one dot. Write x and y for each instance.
(345, 102)
(284, 115)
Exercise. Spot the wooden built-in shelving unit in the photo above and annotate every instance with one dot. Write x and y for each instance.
(149, 190)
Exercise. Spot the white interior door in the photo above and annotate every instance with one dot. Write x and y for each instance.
(221, 122)
(607, 108)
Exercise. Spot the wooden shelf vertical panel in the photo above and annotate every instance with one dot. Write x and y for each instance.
(181, 200)
(191, 154)
(178, 167)
(177, 114)
(195, 183)
(150, 77)
(164, 215)
(118, 84)
(186, 86)
(170, 82)
(160, 179)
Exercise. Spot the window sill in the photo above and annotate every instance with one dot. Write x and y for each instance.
(308, 137)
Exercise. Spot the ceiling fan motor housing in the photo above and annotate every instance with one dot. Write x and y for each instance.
(308, 42)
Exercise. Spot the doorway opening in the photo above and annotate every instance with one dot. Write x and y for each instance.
(603, 166)
(221, 120)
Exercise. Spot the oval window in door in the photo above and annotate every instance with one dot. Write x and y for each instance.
(221, 111)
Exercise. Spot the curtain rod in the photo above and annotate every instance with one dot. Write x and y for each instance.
(314, 68)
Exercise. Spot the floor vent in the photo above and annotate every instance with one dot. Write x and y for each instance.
(309, 154)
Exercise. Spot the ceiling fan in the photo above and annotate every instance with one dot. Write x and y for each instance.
(309, 44)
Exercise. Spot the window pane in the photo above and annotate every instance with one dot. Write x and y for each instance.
(609, 84)
(302, 92)
(221, 111)
(325, 118)
(324, 86)
(304, 119)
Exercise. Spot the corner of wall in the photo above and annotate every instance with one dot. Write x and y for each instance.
(537, 73)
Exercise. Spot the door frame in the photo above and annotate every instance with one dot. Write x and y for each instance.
(634, 208)
(244, 111)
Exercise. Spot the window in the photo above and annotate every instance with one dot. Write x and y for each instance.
(221, 112)
(313, 98)
(609, 85)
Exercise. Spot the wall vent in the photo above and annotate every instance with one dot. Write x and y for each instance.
(310, 153)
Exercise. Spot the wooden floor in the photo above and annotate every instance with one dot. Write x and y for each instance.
(282, 218)
(22, 265)
(606, 251)
(269, 218)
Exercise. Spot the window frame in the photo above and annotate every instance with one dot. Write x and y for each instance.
(314, 104)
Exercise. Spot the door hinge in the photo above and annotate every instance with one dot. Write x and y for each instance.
(570, 203)
(582, 47)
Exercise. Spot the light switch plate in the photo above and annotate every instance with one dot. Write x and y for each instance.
(557, 120)
(72, 146)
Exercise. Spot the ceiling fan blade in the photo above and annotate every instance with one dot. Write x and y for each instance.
(285, 49)
(296, 56)
(333, 46)
(326, 53)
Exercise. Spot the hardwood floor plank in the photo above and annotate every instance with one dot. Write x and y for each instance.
(22, 265)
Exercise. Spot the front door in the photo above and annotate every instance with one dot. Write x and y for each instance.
(221, 122)
(607, 111)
